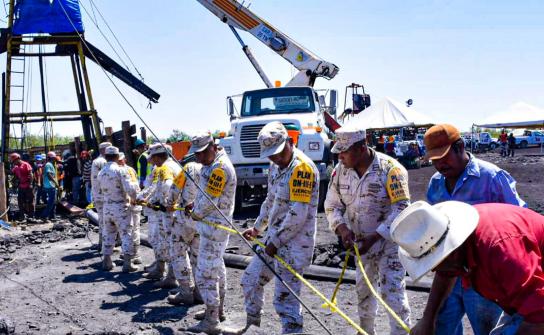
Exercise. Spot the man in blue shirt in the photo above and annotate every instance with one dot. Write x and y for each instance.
(461, 177)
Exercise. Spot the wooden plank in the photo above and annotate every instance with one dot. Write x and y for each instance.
(109, 134)
(127, 142)
(143, 134)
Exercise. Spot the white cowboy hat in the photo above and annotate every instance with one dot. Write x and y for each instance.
(427, 234)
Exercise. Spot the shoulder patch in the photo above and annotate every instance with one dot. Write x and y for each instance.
(397, 186)
(216, 182)
(133, 177)
(164, 174)
(301, 183)
(180, 180)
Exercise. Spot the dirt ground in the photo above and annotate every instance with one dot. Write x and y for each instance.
(51, 282)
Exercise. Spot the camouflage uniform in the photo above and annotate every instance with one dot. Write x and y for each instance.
(185, 240)
(219, 182)
(98, 201)
(291, 222)
(135, 210)
(154, 217)
(165, 178)
(116, 188)
(366, 205)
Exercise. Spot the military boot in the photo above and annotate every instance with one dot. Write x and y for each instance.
(107, 263)
(157, 273)
(210, 323)
(127, 264)
(222, 317)
(137, 259)
(169, 281)
(368, 325)
(184, 296)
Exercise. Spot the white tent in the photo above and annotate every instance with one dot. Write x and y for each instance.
(519, 115)
(388, 113)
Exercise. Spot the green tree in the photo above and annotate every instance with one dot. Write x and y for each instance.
(178, 135)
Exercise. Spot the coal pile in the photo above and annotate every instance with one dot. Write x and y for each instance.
(28, 234)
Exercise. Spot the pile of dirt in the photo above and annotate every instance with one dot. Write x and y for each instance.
(27, 234)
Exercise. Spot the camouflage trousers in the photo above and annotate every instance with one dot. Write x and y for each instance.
(257, 275)
(154, 222)
(135, 217)
(184, 249)
(99, 206)
(382, 265)
(117, 219)
(211, 274)
(165, 236)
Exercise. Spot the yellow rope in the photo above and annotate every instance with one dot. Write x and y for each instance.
(296, 274)
(334, 305)
(376, 295)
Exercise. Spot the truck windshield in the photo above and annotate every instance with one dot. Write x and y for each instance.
(278, 101)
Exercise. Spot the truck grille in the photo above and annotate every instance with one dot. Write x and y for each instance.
(248, 140)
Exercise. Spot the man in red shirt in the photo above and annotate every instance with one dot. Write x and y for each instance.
(498, 249)
(25, 196)
(503, 138)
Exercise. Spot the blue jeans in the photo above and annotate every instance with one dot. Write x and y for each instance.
(76, 187)
(88, 192)
(49, 210)
(507, 325)
(483, 314)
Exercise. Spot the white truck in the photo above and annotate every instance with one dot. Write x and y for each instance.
(527, 138)
(297, 105)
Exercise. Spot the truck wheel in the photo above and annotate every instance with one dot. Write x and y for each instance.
(238, 199)
(523, 144)
(323, 187)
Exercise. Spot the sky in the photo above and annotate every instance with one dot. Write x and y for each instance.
(460, 61)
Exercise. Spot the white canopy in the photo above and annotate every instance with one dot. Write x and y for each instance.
(388, 113)
(519, 115)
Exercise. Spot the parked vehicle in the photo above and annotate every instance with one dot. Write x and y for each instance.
(526, 138)
(480, 141)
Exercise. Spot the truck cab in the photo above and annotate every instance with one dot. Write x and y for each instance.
(300, 110)
(527, 138)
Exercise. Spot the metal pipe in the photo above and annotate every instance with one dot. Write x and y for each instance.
(252, 59)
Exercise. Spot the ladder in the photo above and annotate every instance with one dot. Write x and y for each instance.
(16, 68)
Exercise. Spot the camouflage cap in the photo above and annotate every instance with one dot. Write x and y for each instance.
(272, 139)
(200, 142)
(347, 136)
(111, 150)
(159, 148)
(104, 145)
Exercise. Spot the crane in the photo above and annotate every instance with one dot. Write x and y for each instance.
(237, 16)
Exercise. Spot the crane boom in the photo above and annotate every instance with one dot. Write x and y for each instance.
(310, 66)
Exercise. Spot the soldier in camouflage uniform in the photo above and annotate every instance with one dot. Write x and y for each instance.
(96, 166)
(116, 188)
(218, 180)
(147, 196)
(163, 176)
(168, 169)
(185, 240)
(289, 212)
(135, 209)
(366, 193)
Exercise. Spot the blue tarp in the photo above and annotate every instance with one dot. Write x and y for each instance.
(47, 16)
